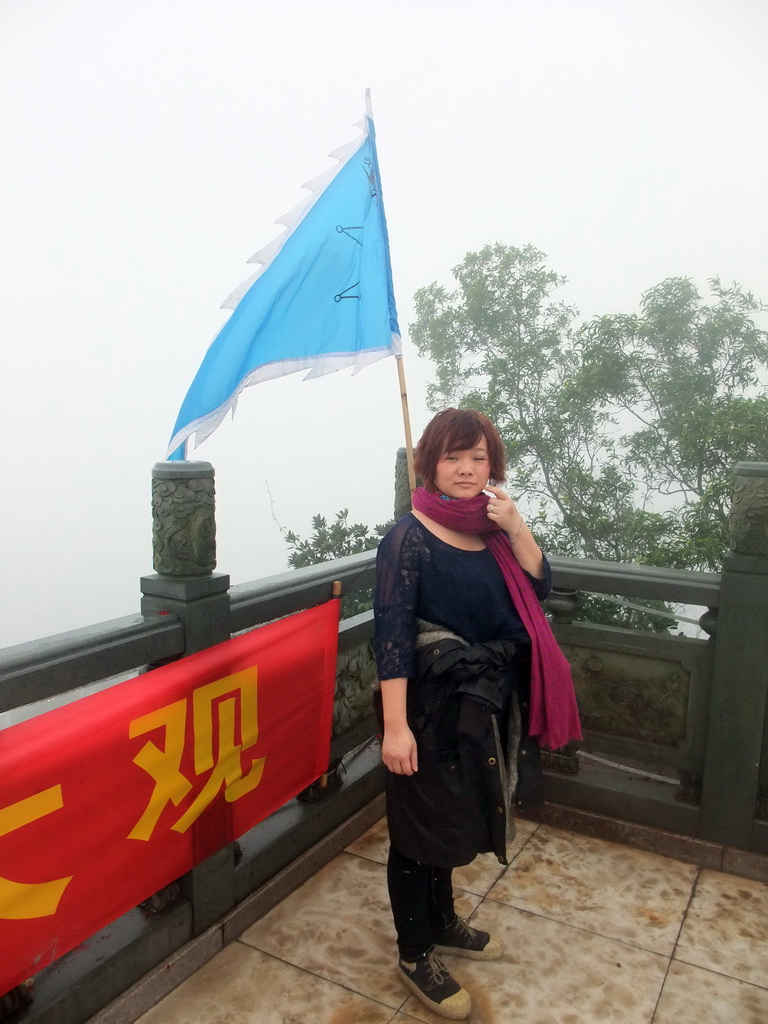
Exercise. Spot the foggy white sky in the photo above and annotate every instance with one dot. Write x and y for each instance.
(147, 148)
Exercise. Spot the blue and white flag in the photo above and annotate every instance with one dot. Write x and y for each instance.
(321, 300)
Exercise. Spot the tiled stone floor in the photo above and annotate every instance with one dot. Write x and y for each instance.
(594, 933)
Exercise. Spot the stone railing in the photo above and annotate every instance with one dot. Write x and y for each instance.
(657, 701)
(689, 714)
(187, 606)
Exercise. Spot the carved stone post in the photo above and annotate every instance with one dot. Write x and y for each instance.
(183, 519)
(748, 521)
(735, 742)
(402, 488)
(184, 554)
(184, 583)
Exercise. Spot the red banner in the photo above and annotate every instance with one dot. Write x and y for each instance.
(108, 799)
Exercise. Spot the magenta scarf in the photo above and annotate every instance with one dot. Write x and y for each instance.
(554, 718)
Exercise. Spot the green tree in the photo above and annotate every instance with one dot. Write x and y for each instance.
(335, 540)
(687, 376)
(623, 431)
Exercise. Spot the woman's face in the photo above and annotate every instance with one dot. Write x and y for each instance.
(463, 474)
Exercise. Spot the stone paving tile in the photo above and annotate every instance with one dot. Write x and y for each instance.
(243, 986)
(586, 924)
(726, 928)
(602, 887)
(477, 877)
(692, 995)
(373, 844)
(338, 925)
(551, 973)
(484, 871)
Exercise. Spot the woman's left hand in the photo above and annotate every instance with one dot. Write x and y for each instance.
(502, 510)
(505, 513)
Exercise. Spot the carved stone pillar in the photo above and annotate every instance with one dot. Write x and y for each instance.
(736, 760)
(183, 519)
(184, 584)
(402, 487)
(184, 554)
(748, 536)
(748, 519)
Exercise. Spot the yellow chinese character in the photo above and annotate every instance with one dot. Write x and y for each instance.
(222, 759)
(164, 766)
(225, 767)
(22, 900)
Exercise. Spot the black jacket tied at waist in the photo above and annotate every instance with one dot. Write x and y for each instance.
(464, 713)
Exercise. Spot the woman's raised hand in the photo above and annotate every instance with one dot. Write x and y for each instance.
(503, 511)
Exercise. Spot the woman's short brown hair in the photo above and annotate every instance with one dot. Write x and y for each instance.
(455, 430)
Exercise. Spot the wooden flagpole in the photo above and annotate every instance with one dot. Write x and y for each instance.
(406, 424)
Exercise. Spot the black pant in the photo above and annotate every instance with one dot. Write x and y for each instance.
(422, 903)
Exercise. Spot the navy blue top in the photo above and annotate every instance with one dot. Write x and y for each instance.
(419, 576)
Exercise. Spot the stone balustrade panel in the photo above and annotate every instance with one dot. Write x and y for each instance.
(641, 695)
(355, 671)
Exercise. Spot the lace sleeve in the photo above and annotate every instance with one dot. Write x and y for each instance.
(542, 587)
(395, 599)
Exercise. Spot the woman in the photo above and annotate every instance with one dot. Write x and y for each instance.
(462, 647)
